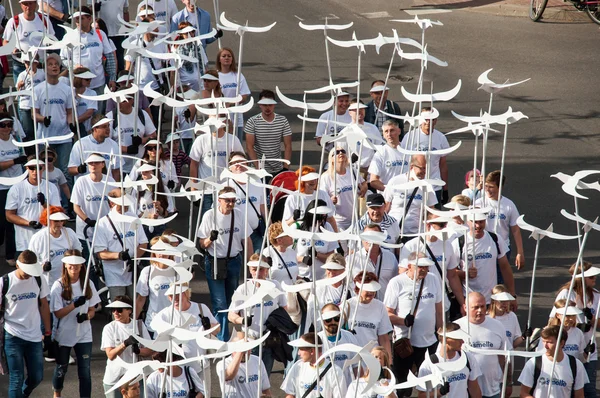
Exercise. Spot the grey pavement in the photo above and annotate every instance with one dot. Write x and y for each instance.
(560, 100)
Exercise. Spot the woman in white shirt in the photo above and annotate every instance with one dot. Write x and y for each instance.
(282, 253)
(368, 316)
(228, 72)
(576, 344)
(72, 329)
(167, 170)
(338, 182)
(359, 384)
(118, 341)
(150, 205)
(500, 310)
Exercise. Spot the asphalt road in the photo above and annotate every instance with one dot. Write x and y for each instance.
(560, 100)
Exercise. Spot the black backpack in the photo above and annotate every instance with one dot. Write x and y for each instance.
(538, 371)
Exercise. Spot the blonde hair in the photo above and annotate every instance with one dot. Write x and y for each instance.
(461, 200)
(493, 303)
(274, 230)
(562, 303)
(332, 154)
(578, 286)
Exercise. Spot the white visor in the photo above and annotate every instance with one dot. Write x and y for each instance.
(592, 271)
(146, 167)
(118, 304)
(438, 220)
(78, 14)
(422, 262)
(125, 78)
(267, 101)
(208, 76)
(503, 296)
(94, 158)
(455, 206)
(176, 289)
(85, 75)
(433, 114)
(30, 269)
(301, 343)
(228, 195)
(369, 287)
(309, 177)
(378, 89)
(238, 158)
(458, 334)
(329, 314)
(123, 201)
(281, 235)
(59, 216)
(353, 107)
(34, 162)
(342, 94)
(260, 264)
(320, 210)
(145, 13)
(152, 142)
(73, 260)
(172, 137)
(571, 310)
(477, 217)
(332, 265)
(102, 121)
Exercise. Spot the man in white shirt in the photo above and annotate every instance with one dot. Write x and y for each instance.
(406, 204)
(238, 373)
(109, 11)
(419, 140)
(387, 162)
(225, 241)
(357, 113)
(115, 244)
(25, 201)
(98, 141)
(569, 374)
(340, 114)
(486, 333)
(301, 380)
(25, 307)
(414, 304)
(461, 383)
(485, 252)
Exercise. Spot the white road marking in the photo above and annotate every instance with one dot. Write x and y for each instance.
(301, 19)
(427, 11)
(376, 14)
(330, 17)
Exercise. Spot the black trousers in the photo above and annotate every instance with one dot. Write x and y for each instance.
(402, 366)
(7, 230)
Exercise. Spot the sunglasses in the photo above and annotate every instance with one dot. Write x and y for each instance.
(228, 200)
(151, 148)
(334, 319)
(43, 160)
(119, 310)
(5, 125)
(340, 151)
(34, 167)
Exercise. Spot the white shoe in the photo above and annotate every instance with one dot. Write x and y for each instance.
(49, 359)
(71, 360)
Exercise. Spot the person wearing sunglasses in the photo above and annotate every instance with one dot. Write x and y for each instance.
(25, 201)
(118, 341)
(332, 335)
(11, 165)
(338, 181)
(168, 172)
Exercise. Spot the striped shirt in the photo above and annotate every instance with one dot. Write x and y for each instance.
(268, 137)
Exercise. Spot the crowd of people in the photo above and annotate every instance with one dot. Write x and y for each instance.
(355, 252)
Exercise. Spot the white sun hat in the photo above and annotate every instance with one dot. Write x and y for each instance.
(30, 269)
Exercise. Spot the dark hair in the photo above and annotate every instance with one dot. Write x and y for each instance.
(160, 187)
(369, 277)
(28, 257)
(307, 221)
(266, 94)
(494, 178)
(311, 338)
(376, 81)
(125, 299)
(553, 331)
(102, 26)
(65, 279)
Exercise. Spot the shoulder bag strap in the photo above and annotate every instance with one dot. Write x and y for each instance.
(230, 235)
(380, 261)
(283, 262)
(410, 200)
(116, 232)
(314, 383)
(248, 199)
(152, 64)
(437, 265)
(419, 297)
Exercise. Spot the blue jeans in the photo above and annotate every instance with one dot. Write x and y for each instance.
(17, 68)
(222, 290)
(83, 352)
(26, 119)
(207, 204)
(101, 104)
(63, 151)
(21, 353)
(492, 396)
(267, 358)
(257, 240)
(589, 389)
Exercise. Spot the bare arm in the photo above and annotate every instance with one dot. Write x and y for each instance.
(11, 216)
(65, 189)
(233, 367)
(376, 183)
(52, 12)
(444, 172)
(473, 388)
(69, 115)
(45, 314)
(39, 117)
(507, 274)
(455, 285)
(287, 150)
(384, 341)
(250, 147)
(106, 255)
(525, 392)
(395, 319)
(85, 115)
(139, 303)
(116, 174)
(520, 257)
(439, 315)
(79, 211)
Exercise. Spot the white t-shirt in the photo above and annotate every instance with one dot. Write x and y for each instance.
(340, 357)
(22, 197)
(243, 292)
(59, 100)
(56, 177)
(202, 153)
(87, 194)
(304, 247)
(90, 144)
(22, 315)
(160, 280)
(94, 45)
(84, 104)
(388, 162)
(243, 384)
(486, 255)
(508, 216)
(147, 64)
(416, 140)
(366, 154)
(9, 151)
(63, 328)
(370, 322)
(58, 246)
(29, 33)
(300, 202)
(356, 388)
(278, 271)
(512, 327)
(185, 126)
(30, 80)
(303, 374)
(562, 383)
(399, 199)
(113, 335)
(145, 206)
(488, 335)
(459, 381)
(190, 348)
(386, 260)
(343, 191)
(223, 225)
(229, 87)
(324, 295)
(581, 318)
(256, 198)
(126, 125)
(399, 297)
(181, 387)
(109, 12)
(160, 9)
(332, 129)
(115, 271)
